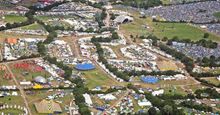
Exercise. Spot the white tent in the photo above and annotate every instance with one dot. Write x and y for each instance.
(88, 99)
(107, 97)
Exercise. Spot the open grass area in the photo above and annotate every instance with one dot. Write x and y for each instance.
(135, 28)
(145, 26)
(61, 23)
(12, 112)
(12, 100)
(14, 18)
(98, 78)
(181, 30)
(217, 15)
(167, 65)
(215, 71)
(194, 87)
(213, 80)
(176, 82)
(166, 1)
(34, 26)
(174, 90)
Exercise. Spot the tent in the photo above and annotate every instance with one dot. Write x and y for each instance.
(149, 79)
(85, 66)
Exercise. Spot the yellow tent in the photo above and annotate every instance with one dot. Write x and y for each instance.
(37, 86)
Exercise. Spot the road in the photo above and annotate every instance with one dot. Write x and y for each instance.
(71, 104)
(23, 95)
(107, 19)
(76, 47)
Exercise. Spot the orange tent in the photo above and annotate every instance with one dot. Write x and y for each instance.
(11, 40)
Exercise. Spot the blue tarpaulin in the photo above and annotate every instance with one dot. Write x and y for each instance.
(149, 79)
(85, 66)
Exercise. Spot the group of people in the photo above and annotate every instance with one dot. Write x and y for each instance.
(199, 12)
(196, 51)
(215, 28)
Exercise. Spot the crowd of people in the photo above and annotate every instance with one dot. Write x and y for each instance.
(196, 51)
(199, 12)
(215, 28)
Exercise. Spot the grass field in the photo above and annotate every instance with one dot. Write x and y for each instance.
(181, 30)
(195, 87)
(11, 112)
(165, 1)
(98, 78)
(145, 26)
(217, 14)
(14, 18)
(167, 65)
(12, 100)
(34, 26)
(213, 80)
(174, 90)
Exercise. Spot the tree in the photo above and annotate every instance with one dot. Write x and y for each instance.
(206, 35)
(115, 35)
(152, 111)
(131, 36)
(168, 110)
(164, 39)
(134, 40)
(113, 16)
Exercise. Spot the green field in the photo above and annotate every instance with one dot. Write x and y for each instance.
(97, 78)
(174, 90)
(12, 100)
(12, 111)
(217, 14)
(145, 26)
(182, 30)
(34, 26)
(14, 18)
(212, 80)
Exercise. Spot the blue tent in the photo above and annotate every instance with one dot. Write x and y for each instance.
(149, 79)
(85, 66)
